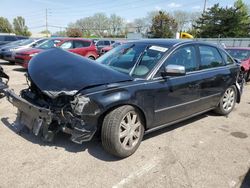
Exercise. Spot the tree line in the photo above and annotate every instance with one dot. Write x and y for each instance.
(18, 27)
(215, 22)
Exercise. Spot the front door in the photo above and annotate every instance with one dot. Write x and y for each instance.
(178, 97)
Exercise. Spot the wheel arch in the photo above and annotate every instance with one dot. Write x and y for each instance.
(108, 110)
(92, 56)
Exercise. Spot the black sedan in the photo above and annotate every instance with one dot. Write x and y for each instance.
(133, 89)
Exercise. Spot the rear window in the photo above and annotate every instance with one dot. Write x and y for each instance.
(49, 44)
(240, 54)
(81, 44)
(10, 38)
(210, 57)
(106, 43)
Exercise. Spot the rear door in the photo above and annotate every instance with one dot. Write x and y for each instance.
(215, 75)
(81, 47)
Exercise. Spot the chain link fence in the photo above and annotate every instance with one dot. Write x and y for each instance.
(228, 42)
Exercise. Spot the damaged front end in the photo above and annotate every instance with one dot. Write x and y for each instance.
(4, 78)
(45, 116)
(54, 101)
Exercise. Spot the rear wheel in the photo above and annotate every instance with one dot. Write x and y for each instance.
(227, 101)
(247, 76)
(122, 131)
(91, 57)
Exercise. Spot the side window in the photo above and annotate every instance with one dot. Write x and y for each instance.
(106, 43)
(81, 44)
(185, 56)
(10, 38)
(67, 45)
(226, 58)
(210, 57)
(100, 43)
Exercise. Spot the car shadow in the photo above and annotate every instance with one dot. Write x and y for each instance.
(177, 125)
(6, 63)
(20, 69)
(93, 147)
(246, 181)
(62, 140)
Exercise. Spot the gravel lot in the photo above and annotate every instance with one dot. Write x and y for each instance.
(206, 151)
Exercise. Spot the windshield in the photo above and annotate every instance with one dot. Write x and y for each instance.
(136, 60)
(48, 44)
(25, 42)
(240, 54)
(16, 42)
(115, 44)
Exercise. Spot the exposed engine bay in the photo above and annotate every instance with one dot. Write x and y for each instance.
(46, 116)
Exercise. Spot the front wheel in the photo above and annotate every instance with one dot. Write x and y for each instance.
(122, 131)
(227, 101)
(91, 57)
(247, 76)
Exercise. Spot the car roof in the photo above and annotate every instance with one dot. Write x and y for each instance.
(170, 42)
(81, 39)
(238, 48)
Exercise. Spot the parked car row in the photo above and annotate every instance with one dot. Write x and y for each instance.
(7, 52)
(22, 52)
(243, 56)
(5, 39)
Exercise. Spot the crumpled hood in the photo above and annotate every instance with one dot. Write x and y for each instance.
(57, 72)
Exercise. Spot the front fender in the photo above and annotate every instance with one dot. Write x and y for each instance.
(112, 100)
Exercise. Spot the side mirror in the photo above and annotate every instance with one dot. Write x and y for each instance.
(174, 70)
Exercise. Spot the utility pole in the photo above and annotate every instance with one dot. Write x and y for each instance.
(46, 24)
(205, 4)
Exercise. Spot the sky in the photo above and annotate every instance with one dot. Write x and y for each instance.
(62, 12)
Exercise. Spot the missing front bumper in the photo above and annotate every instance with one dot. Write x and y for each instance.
(40, 121)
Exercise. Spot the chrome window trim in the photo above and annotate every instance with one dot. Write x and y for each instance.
(176, 121)
(197, 72)
(177, 46)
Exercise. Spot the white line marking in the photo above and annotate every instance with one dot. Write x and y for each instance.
(137, 174)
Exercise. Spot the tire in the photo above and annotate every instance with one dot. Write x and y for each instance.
(12, 62)
(247, 76)
(227, 101)
(119, 137)
(91, 57)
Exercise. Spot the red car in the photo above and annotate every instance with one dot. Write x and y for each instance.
(83, 47)
(242, 54)
(107, 48)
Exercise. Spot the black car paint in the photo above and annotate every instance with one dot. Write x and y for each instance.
(69, 73)
(161, 100)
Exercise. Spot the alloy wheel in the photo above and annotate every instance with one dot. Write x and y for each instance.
(130, 130)
(228, 99)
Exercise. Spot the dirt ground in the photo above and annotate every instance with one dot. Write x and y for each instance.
(205, 151)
